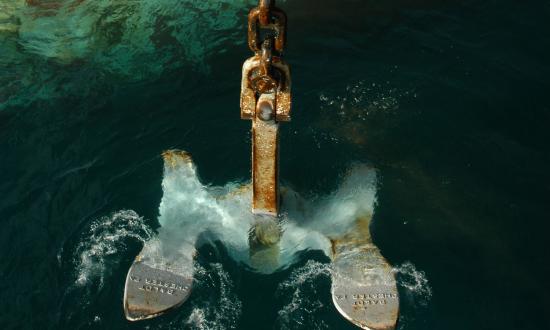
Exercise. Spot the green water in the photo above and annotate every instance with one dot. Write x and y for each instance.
(447, 99)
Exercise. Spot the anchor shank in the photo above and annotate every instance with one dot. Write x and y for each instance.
(265, 145)
(265, 99)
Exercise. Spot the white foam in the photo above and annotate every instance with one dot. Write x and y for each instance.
(101, 245)
(189, 209)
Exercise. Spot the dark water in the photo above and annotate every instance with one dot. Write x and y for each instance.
(447, 99)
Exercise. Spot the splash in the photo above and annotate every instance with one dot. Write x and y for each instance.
(190, 210)
(192, 214)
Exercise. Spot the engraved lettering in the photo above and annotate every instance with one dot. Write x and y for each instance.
(372, 296)
(160, 286)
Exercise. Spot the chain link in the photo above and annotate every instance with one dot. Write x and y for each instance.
(266, 74)
(265, 7)
(270, 18)
(272, 21)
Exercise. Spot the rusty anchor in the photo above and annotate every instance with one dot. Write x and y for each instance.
(364, 288)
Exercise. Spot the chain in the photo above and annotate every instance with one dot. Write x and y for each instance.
(266, 36)
(266, 73)
(265, 7)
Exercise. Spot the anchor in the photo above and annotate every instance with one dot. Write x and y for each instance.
(364, 288)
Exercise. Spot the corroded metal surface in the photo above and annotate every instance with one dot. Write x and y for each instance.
(152, 291)
(364, 289)
(248, 95)
(265, 7)
(173, 158)
(265, 141)
(283, 99)
(265, 99)
(266, 17)
(283, 102)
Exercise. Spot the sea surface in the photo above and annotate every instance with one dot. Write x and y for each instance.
(447, 101)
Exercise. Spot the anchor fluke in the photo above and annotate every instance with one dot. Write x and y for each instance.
(161, 277)
(151, 291)
(364, 289)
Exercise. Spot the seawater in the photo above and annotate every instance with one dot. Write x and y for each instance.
(446, 100)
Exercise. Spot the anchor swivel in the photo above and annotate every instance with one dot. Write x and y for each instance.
(255, 82)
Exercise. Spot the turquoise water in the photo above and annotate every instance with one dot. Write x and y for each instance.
(447, 100)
